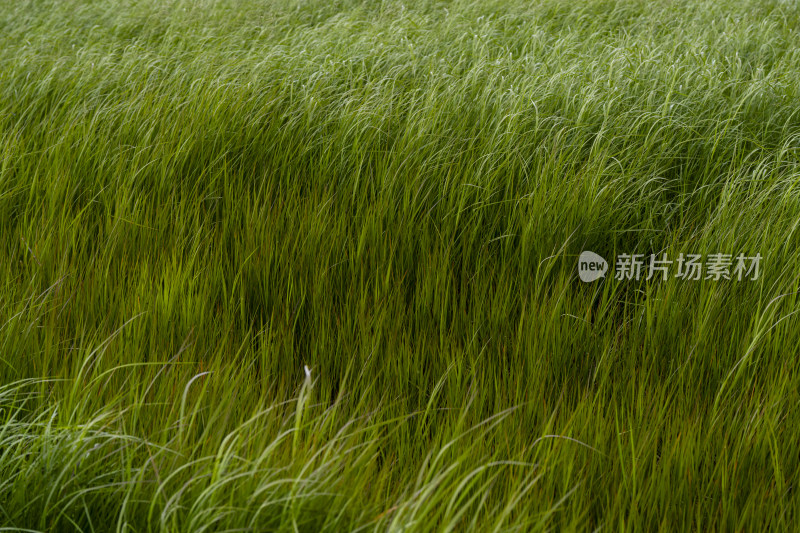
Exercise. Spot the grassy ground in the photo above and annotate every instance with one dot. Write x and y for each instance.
(198, 198)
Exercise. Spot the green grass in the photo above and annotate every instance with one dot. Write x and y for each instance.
(198, 198)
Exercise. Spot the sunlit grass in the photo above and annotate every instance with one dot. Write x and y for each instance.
(311, 266)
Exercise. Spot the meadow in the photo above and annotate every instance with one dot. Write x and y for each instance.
(312, 265)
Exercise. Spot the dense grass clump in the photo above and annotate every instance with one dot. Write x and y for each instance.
(200, 198)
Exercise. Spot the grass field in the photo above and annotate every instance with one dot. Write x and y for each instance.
(312, 265)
